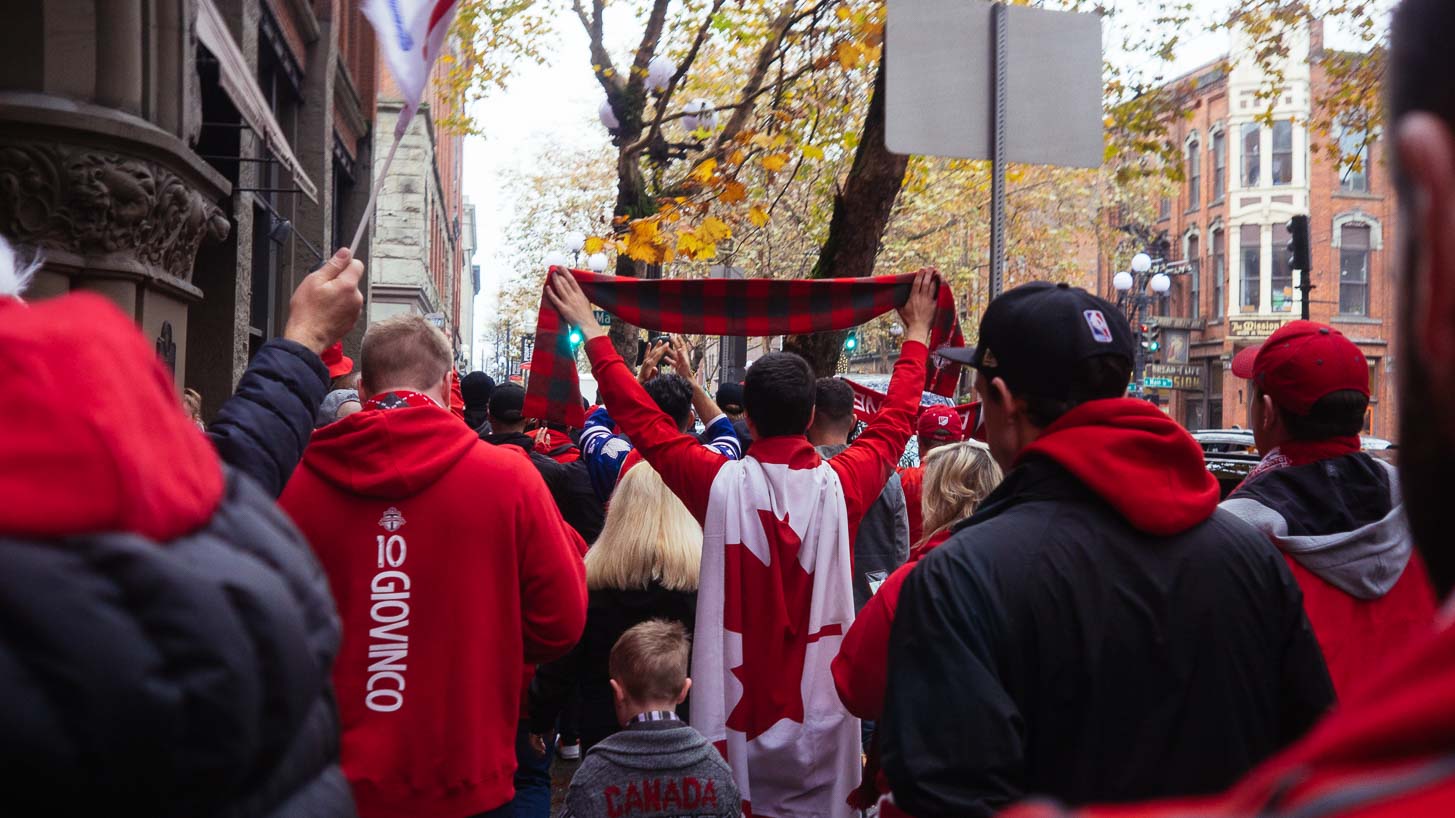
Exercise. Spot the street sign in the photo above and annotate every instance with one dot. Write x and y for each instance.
(1157, 383)
(602, 317)
(940, 83)
(1182, 377)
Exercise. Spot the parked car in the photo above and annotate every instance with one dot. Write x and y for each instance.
(1231, 453)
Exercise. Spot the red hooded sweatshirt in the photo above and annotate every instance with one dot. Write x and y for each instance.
(450, 565)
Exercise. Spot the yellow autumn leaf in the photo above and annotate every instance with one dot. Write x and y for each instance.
(713, 230)
(842, 12)
(848, 54)
(734, 192)
(689, 245)
(703, 172)
(736, 157)
(813, 152)
(774, 162)
(757, 215)
(594, 244)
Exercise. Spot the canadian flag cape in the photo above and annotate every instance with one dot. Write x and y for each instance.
(774, 602)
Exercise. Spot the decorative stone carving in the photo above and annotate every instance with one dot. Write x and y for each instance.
(95, 202)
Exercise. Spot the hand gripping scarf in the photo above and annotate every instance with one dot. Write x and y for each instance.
(721, 306)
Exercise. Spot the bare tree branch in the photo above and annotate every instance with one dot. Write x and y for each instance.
(605, 71)
(658, 119)
(648, 48)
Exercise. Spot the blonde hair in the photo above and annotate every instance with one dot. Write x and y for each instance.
(649, 535)
(958, 477)
(405, 350)
(649, 661)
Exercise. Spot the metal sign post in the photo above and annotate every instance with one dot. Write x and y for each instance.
(1033, 76)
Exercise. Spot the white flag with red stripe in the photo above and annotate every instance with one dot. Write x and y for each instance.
(411, 35)
(774, 603)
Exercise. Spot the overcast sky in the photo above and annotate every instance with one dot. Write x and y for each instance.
(557, 104)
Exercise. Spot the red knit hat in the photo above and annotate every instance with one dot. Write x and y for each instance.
(1301, 363)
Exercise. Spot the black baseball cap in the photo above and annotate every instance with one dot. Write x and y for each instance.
(476, 389)
(1033, 336)
(730, 394)
(507, 402)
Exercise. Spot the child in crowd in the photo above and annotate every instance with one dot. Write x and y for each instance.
(657, 765)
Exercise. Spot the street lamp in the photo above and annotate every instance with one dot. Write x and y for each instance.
(575, 240)
(699, 114)
(608, 116)
(557, 259)
(1141, 263)
(1161, 283)
(1122, 281)
(597, 262)
(659, 73)
(1146, 284)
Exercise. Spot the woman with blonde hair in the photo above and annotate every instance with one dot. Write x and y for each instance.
(957, 479)
(644, 566)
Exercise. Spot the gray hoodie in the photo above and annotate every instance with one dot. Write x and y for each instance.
(1341, 518)
(654, 769)
(882, 542)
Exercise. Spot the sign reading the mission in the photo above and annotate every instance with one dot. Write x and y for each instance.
(1254, 327)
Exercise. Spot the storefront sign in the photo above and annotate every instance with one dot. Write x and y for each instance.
(1253, 327)
(1182, 377)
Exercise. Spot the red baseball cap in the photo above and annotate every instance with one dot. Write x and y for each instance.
(1302, 362)
(940, 423)
(337, 362)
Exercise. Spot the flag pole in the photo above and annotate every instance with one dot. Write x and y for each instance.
(374, 191)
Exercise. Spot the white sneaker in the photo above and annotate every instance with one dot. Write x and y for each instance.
(570, 752)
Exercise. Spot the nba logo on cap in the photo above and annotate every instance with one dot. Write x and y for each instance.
(1099, 329)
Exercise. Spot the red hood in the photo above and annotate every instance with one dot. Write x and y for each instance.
(1139, 460)
(95, 438)
(389, 453)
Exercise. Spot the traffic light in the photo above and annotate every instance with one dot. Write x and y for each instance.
(851, 341)
(1151, 338)
(1298, 244)
(575, 337)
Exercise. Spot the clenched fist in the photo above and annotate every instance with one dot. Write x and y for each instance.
(326, 305)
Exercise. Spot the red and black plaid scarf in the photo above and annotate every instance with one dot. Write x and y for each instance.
(721, 306)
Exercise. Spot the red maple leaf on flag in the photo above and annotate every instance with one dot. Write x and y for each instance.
(769, 605)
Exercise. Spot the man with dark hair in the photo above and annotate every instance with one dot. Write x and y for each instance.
(608, 456)
(476, 389)
(1334, 511)
(775, 596)
(1385, 753)
(882, 542)
(1098, 629)
(730, 401)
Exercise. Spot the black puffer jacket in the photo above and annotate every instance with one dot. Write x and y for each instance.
(185, 678)
(267, 423)
(610, 613)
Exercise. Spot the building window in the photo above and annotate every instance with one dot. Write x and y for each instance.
(1220, 272)
(1220, 165)
(1194, 175)
(1354, 269)
(1194, 277)
(1354, 161)
(1282, 273)
(1283, 152)
(1164, 208)
(1250, 242)
(1373, 396)
(1252, 155)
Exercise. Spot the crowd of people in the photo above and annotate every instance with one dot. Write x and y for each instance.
(384, 590)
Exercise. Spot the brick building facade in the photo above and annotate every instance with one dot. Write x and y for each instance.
(189, 159)
(1245, 178)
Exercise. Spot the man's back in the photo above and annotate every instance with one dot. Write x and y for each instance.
(1340, 524)
(1073, 654)
(441, 583)
(882, 542)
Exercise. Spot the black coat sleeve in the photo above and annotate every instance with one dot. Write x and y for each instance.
(264, 427)
(953, 738)
(1306, 693)
(551, 687)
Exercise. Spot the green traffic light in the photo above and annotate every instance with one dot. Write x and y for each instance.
(575, 337)
(851, 343)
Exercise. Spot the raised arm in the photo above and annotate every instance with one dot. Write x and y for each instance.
(865, 466)
(685, 466)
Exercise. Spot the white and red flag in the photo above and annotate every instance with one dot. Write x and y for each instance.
(774, 603)
(411, 35)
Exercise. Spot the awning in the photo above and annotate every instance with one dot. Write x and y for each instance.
(238, 81)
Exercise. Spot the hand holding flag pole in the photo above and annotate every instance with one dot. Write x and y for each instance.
(411, 35)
